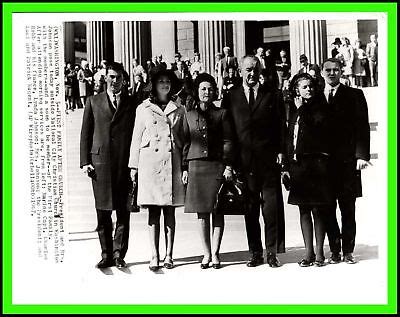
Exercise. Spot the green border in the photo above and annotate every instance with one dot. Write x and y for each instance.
(389, 8)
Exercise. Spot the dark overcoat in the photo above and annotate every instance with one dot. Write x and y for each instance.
(350, 139)
(309, 154)
(105, 142)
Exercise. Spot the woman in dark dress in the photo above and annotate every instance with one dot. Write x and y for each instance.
(208, 158)
(308, 155)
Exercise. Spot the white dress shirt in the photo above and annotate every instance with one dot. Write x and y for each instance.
(328, 88)
(111, 96)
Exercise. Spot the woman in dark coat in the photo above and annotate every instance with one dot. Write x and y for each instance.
(308, 154)
(208, 158)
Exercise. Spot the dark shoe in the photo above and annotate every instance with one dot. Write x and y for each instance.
(335, 258)
(255, 260)
(216, 263)
(205, 265)
(154, 268)
(119, 263)
(349, 258)
(320, 262)
(104, 263)
(306, 262)
(168, 263)
(272, 260)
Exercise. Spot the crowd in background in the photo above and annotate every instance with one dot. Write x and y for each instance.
(359, 64)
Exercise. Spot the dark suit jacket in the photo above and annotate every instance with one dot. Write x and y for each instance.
(311, 66)
(259, 131)
(184, 75)
(105, 143)
(233, 63)
(208, 136)
(350, 138)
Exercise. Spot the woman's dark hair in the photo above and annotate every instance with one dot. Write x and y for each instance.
(175, 84)
(295, 80)
(202, 78)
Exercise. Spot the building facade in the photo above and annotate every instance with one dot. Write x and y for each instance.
(124, 40)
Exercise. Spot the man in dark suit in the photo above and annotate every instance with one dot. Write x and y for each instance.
(305, 66)
(350, 154)
(182, 72)
(229, 61)
(106, 134)
(259, 128)
(260, 54)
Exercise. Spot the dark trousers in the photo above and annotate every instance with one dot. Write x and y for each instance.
(266, 194)
(117, 247)
(346, 240)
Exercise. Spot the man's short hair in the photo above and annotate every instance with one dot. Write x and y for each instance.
(118, 67)
(332, 60)
(303, 57)
(255, 58)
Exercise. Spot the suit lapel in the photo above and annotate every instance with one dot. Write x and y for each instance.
(260, 96)
(340, 92)
(120, 109)
(104, 105)
(244, 101)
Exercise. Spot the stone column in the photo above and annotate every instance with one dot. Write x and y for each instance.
(212, 38)
(69, 50)
(96, 41)
(128, 43)
(239, 43)
(307, 37)
(163, 40)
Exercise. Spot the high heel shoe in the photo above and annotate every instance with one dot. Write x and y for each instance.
(168, 262)
(216, 264)
(154, 268)
(204, 266)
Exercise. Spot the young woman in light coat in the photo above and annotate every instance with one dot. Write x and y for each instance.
(156, 159)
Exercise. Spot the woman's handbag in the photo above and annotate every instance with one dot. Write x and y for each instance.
(232, 199)
(131, 203)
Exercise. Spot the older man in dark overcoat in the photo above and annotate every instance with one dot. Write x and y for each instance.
(106, 135)
(350, 133)
(259, 124)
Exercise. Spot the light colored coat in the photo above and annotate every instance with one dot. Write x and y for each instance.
(156, 151)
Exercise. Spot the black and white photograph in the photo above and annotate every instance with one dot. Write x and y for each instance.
(206, 159)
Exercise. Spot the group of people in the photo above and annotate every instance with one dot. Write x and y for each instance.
(359, 65)
(179, 155)
(82, 81)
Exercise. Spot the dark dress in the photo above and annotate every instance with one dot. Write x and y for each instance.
(309, 160)
(207, 151)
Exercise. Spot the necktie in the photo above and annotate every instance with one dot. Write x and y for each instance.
(251, 97)
(115, 104)
(330, 96)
